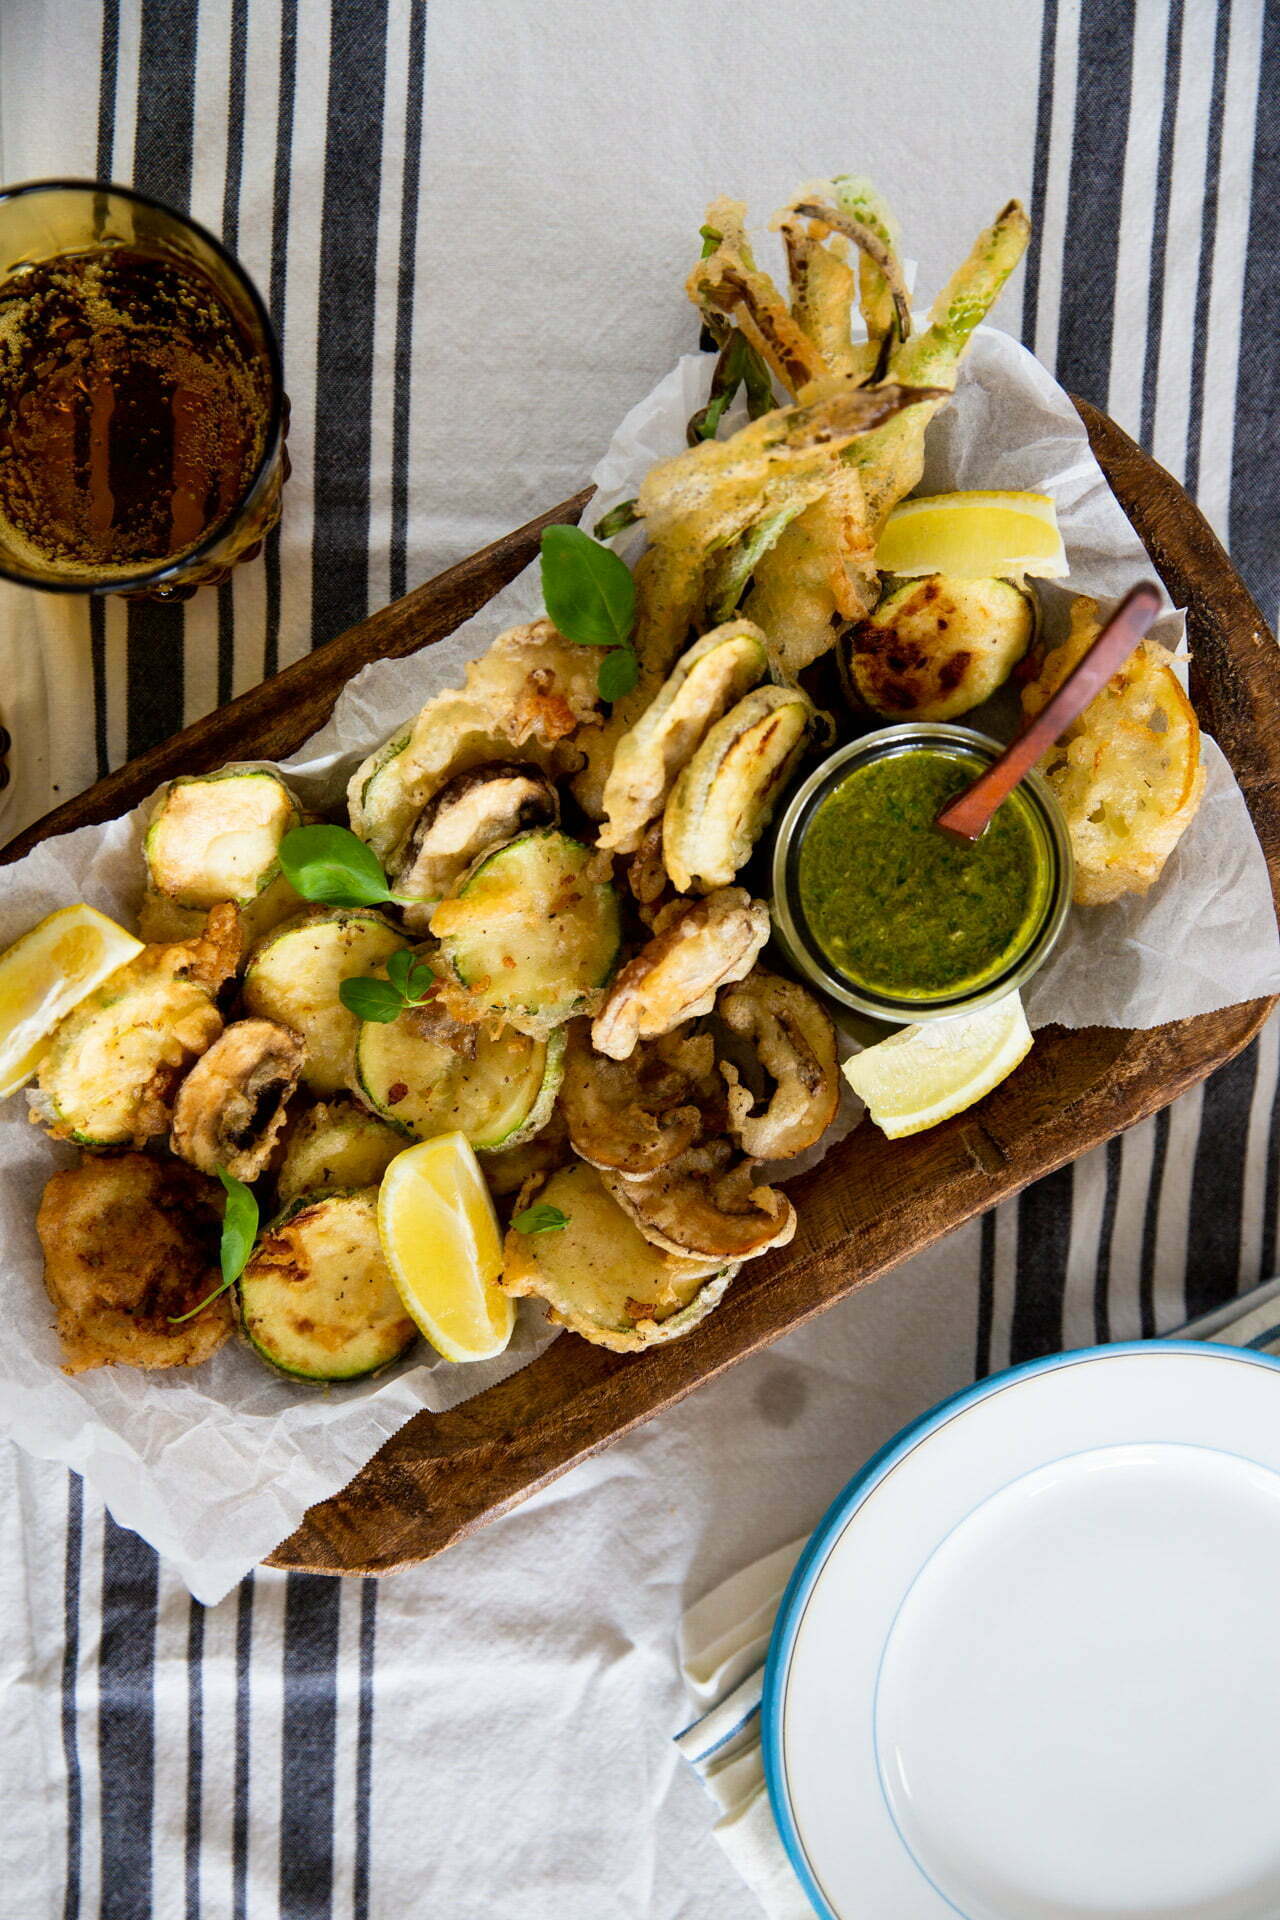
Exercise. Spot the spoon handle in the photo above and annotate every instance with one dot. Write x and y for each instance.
(966, 816)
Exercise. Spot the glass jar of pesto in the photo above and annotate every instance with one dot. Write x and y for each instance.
(892, 917)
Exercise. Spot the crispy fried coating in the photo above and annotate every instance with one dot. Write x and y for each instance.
(128, 1242)
(1127, 773)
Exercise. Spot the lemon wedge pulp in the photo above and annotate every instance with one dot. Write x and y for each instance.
(974, 536)
(442, 1243)
(929, 1072)
(45, 974)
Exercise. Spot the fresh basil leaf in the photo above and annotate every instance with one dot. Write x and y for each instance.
(540, 1219)
(333, 866)
(239, 1226)
(420, 981)
(399, 967)
(618, 673)
(371, 999)
(588, 591)
(239, 1231)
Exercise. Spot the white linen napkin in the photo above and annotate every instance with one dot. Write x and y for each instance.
(724, 1638)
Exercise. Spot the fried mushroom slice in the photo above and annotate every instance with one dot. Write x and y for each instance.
(130, 1243)
(230, 1108)
(709, 1204)
(472, 812)
(792, 1037)
(699, 947)
(640, 1114)
(599, 1276)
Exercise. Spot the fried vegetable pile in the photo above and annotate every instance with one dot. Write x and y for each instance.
(541, 929)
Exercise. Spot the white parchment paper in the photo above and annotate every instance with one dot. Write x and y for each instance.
(215, 1467)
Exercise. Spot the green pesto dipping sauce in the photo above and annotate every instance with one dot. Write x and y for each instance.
(903, 910)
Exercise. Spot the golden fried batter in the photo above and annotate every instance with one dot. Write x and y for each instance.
(128, 1242)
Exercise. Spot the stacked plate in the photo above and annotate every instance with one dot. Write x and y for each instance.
(1029, 1666)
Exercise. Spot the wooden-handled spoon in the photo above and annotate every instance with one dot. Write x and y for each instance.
(965, 817)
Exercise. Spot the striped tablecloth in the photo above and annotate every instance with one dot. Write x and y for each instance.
(471, 224)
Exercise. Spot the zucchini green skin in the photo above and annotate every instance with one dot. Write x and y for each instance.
(498, 1099)
(531, 937)
(177, 873)
(294, 975)
(316, 1300)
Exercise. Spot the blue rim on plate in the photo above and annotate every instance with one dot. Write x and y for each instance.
(843, 1508)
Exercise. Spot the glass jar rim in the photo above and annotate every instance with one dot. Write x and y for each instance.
(177, 565)
(789, 919)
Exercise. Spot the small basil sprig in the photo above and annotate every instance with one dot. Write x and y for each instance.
(591, 598)
(542, 1218)
(239, 1231)
(332, 865)
(408, 982)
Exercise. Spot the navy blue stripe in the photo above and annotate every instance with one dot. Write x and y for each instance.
(1106, 1234)
(1160, 220)
(404, 298)
(127, 1721)
(240, 1787)
(1091, 246)
(1044, 1241)
(107, 88)
(1040, 173)
(105, 163)
(1217, 1187)
(1208, 244)
(277, 288)
(986, 1294)
(364, 1751)
(195, 1756)
(311, 1613)
(345, 329)
(231, 235)
(70, 1671)
(1255, 453)
(163, 148)
(1151, 1226)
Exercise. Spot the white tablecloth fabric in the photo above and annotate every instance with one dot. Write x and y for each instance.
(473, 222)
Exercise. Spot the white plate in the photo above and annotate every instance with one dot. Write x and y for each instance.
(1028, 1667)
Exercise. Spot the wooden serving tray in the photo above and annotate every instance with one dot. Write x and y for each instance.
(873, 1202)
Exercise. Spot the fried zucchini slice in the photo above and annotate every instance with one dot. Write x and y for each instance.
(722, 801)
(161, 919)
(294, 975)
(704, 683)
(937, 647)
(1127, 773)
(498, 1092)
(599, 1276)
(130, 1245)
(216, 836)
(530, 935)
(316, 1300)
(114, 1063)
(335, 1144)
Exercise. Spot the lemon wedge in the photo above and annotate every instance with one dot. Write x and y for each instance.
(974, 536)
(443, 1245)
(45, 974)
(928, 1072)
